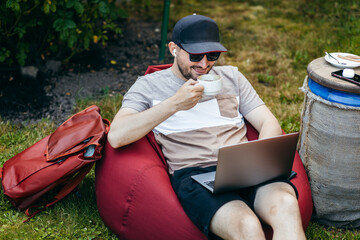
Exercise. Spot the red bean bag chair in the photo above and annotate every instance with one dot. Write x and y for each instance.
(136, 201)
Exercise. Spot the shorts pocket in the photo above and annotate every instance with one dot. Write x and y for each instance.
(228, 105)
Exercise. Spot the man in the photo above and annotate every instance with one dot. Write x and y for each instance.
(190, 127)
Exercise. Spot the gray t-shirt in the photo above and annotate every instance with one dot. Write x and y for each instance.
(192, 137)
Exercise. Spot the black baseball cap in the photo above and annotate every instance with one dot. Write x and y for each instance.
(197, 34)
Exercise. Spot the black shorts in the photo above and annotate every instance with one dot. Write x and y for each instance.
(201, 205)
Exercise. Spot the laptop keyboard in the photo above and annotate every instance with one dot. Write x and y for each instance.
(210, 183)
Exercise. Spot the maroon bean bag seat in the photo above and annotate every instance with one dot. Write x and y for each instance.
(136, 201)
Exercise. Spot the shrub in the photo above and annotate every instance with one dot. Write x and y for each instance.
(30, 29)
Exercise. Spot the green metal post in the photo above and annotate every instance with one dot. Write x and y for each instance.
(164, 28)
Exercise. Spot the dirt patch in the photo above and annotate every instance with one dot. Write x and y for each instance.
(53, 93)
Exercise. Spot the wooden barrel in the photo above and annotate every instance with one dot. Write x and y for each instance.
(330, 145)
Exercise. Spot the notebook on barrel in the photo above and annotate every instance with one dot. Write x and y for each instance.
(251, 163)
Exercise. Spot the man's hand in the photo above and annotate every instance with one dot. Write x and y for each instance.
(188, 95)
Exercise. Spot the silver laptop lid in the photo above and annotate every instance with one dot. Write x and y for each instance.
(254, 162)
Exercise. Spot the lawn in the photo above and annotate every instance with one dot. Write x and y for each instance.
(271, 42)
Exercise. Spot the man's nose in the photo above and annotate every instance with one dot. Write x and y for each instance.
(204, 62)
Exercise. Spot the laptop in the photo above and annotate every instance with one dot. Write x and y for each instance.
(251, 163)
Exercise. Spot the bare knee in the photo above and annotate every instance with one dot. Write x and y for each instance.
(248, 227)
(241, 223)
(277, 206)
(245, 227)
(277, 199)
(284, 203)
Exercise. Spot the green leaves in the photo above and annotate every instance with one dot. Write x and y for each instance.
(13, 5)
(4, 54)
(53, 27)
(79, 8)
(77, 5)
(64, 24)
(103, 8)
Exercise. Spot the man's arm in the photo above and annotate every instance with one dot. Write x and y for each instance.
(262, 119)
(129, 125)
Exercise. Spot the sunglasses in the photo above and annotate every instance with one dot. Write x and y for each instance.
(212, 56)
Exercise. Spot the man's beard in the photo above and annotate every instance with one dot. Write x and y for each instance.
(187, 72)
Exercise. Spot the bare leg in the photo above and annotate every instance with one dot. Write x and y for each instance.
(235, 220)
(276, 205)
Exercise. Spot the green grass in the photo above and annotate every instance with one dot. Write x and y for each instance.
(271, 42)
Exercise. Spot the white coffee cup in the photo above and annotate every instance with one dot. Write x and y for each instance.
(211, 82)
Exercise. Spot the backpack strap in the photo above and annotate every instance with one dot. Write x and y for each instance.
(69, 186)
(107, 125)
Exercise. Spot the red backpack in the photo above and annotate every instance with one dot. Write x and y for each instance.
(60, 160)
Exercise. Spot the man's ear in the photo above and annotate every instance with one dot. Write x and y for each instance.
(172, 48)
